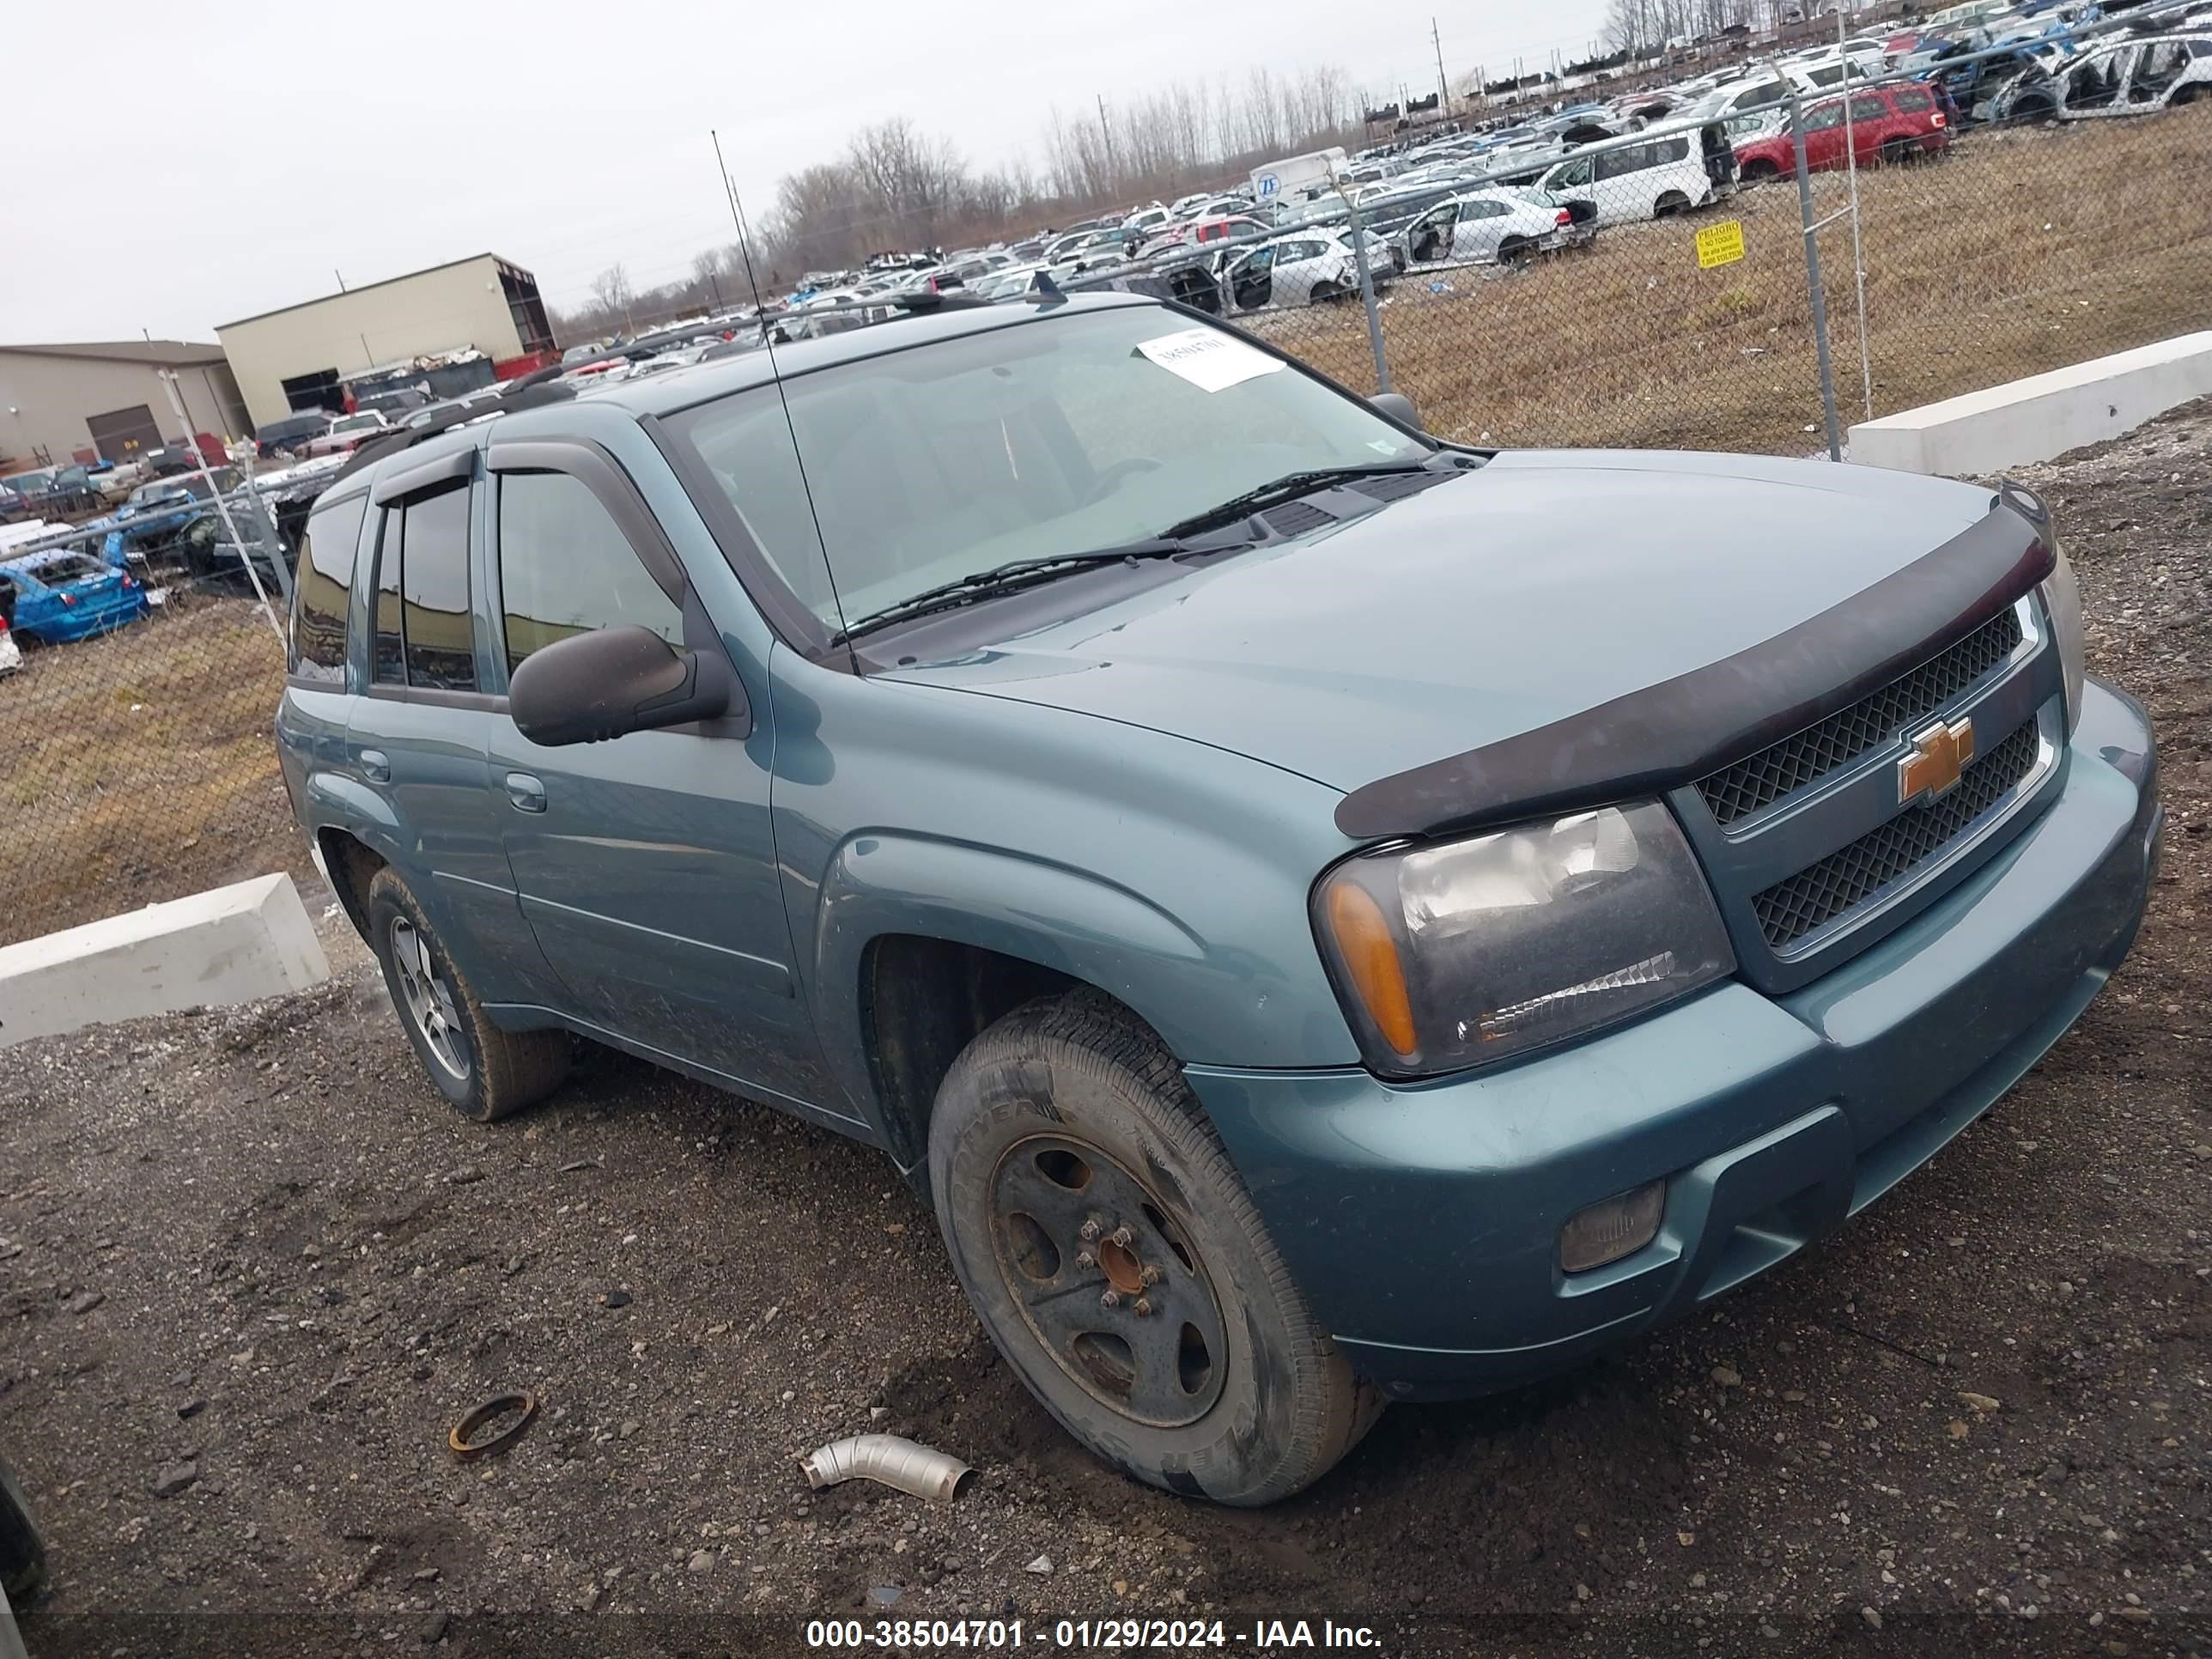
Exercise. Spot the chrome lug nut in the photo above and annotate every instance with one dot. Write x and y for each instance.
(1144, 1306)
(1109, 1298)
(1089, 1231)
(1150, 1275)
(1084, 1259)
(1122, 1236)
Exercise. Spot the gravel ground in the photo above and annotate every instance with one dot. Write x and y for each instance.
(251, 1271)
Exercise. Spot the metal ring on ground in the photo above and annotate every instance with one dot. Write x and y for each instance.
(498, 1405)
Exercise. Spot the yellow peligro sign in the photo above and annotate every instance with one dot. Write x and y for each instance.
(1720, 244)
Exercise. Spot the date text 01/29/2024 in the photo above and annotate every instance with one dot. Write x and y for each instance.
(1104, 1635)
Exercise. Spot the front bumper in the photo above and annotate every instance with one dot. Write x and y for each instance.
(1422, 1221)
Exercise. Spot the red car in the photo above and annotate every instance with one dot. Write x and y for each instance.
(1888, 123)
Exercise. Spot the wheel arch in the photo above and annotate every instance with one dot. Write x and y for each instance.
(920, 943)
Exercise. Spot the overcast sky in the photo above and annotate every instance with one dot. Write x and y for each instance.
(198, 163)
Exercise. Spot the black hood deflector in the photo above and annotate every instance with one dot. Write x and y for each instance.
(1680, 730)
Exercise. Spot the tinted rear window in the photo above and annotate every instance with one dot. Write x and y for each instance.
(323, 591)
(1914, 101)
(433, 590)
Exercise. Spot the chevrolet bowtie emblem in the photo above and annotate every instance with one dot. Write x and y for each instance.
(1939, 755)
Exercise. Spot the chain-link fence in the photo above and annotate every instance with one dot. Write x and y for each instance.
(1970, 225)
(135, 708)
(1997, 215)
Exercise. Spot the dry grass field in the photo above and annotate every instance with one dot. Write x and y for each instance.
(141, 766)
(2021, 252)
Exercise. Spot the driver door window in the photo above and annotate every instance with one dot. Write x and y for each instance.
(565, 567)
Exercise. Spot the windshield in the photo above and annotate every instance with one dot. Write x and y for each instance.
(355, 423)
(1053, 436)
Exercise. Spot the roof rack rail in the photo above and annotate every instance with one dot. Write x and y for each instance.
(525, 394)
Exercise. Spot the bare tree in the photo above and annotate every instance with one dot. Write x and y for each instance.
(612, 289)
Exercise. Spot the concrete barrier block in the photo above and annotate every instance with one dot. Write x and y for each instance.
(234, 945)
(2043, 415)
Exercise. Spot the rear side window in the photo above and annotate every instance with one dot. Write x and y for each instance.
(389, 663)
(433, 591)
(323, 590)
(565, 567)
(1914, 101)
(1869, 106)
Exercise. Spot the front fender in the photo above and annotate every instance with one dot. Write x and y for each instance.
(1201, 997)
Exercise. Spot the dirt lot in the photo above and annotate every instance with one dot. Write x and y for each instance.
(250, 1256)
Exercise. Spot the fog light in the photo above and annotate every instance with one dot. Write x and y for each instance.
(1606, 1232)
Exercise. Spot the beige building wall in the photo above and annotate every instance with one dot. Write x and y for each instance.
(457, 305)
(45, 398)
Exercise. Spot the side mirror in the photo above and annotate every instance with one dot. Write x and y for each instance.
(590, 687)
(1396, 404)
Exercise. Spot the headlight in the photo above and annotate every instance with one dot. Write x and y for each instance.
(1474, 950)
(2061, 603)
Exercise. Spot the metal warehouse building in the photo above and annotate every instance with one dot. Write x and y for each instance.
(58, 403)
(304, 356)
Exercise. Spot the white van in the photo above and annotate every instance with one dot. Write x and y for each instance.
(1650, 179)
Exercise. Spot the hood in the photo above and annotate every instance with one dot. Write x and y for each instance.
(1516, 595)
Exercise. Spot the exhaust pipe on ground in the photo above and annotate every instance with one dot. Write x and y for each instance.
(890, 1460)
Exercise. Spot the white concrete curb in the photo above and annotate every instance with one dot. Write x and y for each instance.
(234, 945)
(2045, 415)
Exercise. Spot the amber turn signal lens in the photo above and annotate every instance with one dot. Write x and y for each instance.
(1370, 958)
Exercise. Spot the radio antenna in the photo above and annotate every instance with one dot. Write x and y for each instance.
(775, 374)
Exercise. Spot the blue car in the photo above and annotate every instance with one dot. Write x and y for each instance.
(61, 596)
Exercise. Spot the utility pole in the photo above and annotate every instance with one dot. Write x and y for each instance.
(1444, 86)
(1107, 134)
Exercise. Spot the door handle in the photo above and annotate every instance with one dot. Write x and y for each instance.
(525, 793)
(376, 766)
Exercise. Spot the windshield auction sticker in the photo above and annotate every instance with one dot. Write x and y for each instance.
(1209, 360)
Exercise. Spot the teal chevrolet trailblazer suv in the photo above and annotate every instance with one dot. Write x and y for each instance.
(1325, 915)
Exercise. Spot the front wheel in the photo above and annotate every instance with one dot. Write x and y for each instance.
(1116, 1260)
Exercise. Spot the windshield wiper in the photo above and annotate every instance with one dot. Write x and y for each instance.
(1283, 489)
(1022, 573)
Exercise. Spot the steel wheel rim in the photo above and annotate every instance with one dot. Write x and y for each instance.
(429, 999)
(1055, 1200)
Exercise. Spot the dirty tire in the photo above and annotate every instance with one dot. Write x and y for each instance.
(506, 1070)
(1081, 1068)
(23, 1554)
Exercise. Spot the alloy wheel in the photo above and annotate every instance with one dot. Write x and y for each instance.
(430, 998)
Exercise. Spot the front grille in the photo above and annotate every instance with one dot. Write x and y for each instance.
(1737, 791)
(1815, 896)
